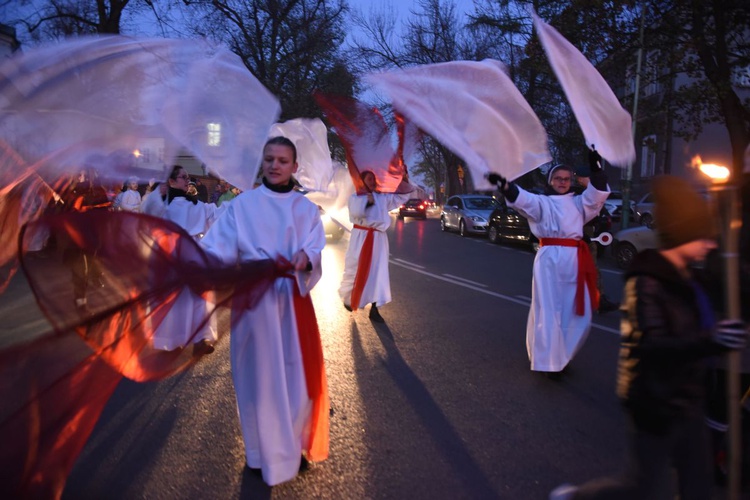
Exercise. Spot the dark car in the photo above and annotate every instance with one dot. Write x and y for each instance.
(413, 208)
(508, 225)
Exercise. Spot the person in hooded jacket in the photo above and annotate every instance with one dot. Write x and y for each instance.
(668, 333)
(564, 291)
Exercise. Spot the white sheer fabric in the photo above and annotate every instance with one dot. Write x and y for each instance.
(473, 109)
(63, 104)
(601, 117)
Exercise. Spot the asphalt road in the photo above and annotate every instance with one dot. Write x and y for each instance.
(438, 402)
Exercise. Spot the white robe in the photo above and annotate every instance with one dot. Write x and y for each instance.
(267, 368)
(189, 309)
(130, 201)
(153, 204)
(378, 286)
(554, 333)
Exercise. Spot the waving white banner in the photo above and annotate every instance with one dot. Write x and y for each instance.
(602, 119)
(474, 110)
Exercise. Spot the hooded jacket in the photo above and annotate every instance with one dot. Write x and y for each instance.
(666, 336)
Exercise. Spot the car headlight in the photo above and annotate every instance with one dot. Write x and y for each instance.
(477, 218)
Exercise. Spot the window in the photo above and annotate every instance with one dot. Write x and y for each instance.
(214, 134)
(648, 156)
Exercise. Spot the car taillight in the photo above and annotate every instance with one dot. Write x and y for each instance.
(421, 207)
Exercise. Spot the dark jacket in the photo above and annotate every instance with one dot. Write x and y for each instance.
(666, 336)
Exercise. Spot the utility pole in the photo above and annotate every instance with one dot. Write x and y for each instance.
(629, 169)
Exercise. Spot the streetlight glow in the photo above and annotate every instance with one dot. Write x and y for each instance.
(717, 173)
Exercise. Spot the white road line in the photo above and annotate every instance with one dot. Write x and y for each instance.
(463, 283)
(407, 263)
(464, 280)
(524, 297)
(612, 271)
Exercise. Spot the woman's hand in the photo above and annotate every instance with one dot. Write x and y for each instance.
(300, 261)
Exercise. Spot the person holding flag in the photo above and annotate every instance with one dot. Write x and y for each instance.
(564, 291)
(366, 279)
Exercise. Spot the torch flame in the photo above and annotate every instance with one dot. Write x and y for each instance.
(717, 173)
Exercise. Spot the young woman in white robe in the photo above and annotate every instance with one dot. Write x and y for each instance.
(369, 214)
(280, 420)
(189, 312)
(560, 315)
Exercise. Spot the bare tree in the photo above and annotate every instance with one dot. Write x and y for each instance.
(433, 33)
(43, 20)
(291, 46)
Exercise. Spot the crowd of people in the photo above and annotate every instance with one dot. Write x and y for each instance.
(669, 327)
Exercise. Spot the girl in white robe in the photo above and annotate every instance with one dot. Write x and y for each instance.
(280, 420)
(555, 330)
(189, 311)
(370, 214)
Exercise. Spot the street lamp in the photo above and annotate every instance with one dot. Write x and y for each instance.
(726, 199)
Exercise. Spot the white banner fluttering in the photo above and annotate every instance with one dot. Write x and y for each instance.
(128, 106)
(602, 119)
(474, 110)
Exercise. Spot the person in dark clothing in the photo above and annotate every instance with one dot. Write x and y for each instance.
(668, 332)
(201, 189)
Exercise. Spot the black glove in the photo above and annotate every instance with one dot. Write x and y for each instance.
(731, 333)
(497, 179)
(595, 160)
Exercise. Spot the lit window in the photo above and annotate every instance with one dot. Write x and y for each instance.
(214, 134)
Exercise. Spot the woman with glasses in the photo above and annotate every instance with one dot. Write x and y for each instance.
(564, 291)
(195, 217)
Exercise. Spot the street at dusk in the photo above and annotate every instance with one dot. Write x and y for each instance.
(438, 402)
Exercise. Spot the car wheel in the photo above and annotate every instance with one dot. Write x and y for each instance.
(624, 254)
(492, 234)
(442, 224)
(647, 220)
(462, 228)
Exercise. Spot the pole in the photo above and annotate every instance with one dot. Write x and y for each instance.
(730, 216)
(629, 170)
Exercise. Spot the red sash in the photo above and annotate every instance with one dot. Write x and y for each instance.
(363, 267)
(315, 376)
(586, 271)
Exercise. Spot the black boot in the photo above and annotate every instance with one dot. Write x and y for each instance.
(375, 315)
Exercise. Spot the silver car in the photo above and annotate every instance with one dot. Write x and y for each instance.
(629, 242)
(468, 213)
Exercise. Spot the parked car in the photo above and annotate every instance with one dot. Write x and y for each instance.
(333, 229)
(614, 206)
(507, 224)
(413, 208)
(468, 213)
(628, 242)
(644, 209)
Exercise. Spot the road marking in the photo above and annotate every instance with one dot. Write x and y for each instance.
(407, 263)
(464, 280)
(463, 283)
(610, 271)
(524, 297)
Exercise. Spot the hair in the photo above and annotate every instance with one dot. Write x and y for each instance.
(280, 140)
(175, 171)
(559, 166)
(365, 172)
